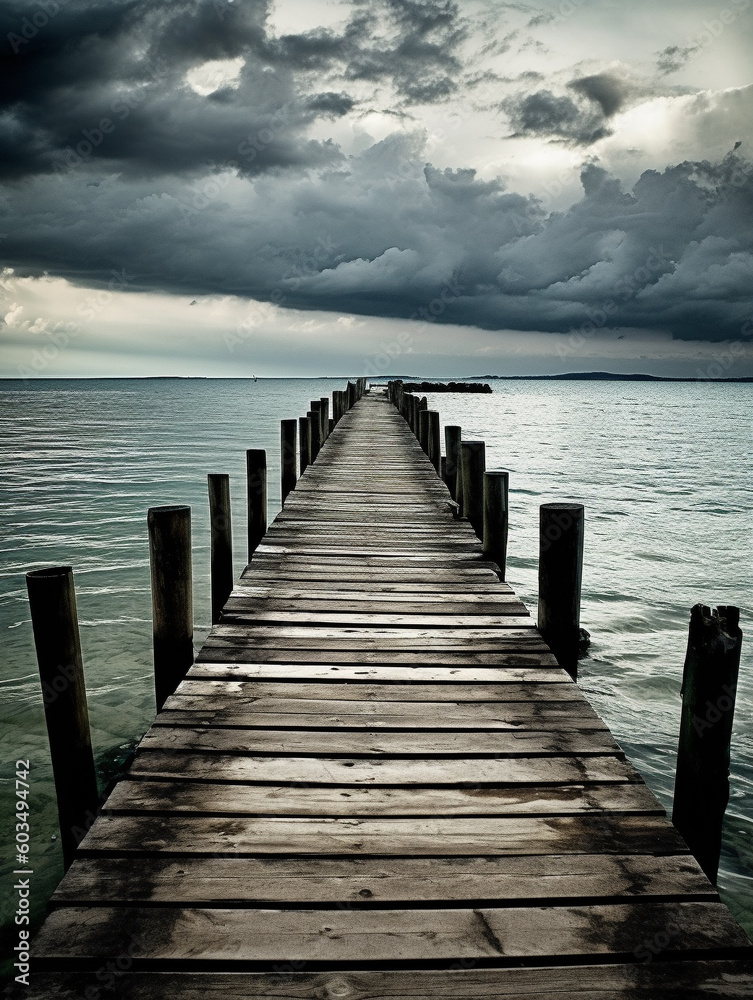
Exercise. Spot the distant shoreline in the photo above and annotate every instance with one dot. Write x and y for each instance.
(564, 377)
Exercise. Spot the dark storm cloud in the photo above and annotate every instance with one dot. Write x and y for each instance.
(113, 163)
(579, 120)
(546, 115)
(608, 91)
(387, 235)
(411, 43)
(107, 81)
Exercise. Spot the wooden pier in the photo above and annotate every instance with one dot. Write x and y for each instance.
(377, 782)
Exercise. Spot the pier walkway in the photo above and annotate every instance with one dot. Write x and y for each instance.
(376, 782)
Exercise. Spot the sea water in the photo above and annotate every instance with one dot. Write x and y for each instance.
(662, 468)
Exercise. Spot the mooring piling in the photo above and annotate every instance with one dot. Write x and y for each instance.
(288, 466)
(54, 618)
(433, 445)
(256, 497)
(303, 443)
(561, 533)
(314, 434)
(221, 542)
(172, 596)
(452, 452)
(709, 688)
(496, 486)
(472, 463)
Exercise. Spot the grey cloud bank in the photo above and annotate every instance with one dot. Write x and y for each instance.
(111, 160)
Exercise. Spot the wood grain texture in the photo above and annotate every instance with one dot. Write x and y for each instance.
(688, 980)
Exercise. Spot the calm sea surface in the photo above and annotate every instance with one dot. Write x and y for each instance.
(664, 470)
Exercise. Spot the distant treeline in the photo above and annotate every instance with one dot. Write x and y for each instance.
(446, 387)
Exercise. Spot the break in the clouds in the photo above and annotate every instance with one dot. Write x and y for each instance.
(471, 164)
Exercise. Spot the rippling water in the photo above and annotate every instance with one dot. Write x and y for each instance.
(662, 468)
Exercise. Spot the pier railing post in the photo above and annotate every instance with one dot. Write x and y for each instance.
(423, 430)
(303, 442)
(172, 597)
(315, 434)
(473, 462)
(337, 406)
(561, 532)
(434, 447)
(256, 497)
(422, 405)
(221, 542)
(709, 687)
(351, 390)
(496, 486)
(452, 451)
(324, 411)
(54, 619)
(288, 464)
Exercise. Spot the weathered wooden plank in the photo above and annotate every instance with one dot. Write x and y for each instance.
(370, 590)
(197, 881)
(407, 592)
(360, 743)
(219, 798)
(450, 676)
(519, 654)
(246, 612)
(334, 936)
(490, 835)
(474, 773)
(392, 715)
(248, 692)
(647, 980)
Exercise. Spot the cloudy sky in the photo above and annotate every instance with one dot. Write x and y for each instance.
(226, 187)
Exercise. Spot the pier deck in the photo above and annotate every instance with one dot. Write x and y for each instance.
(376, 781)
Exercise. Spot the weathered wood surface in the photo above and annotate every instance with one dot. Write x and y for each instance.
(377, 782)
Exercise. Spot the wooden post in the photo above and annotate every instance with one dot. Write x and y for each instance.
(337, 406)
(303, 442)
(473, 462)
(496, 484)
(288, 465)
(52, 599)
(452, 451)
(324, 410)
(434, 448)
(256, 494)
(315, 434)
(316, 407)
(221, 544)
(331, 426)
(172, 597)
(351, 395)
(423, 430)
(709, 687)
(561, 532)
